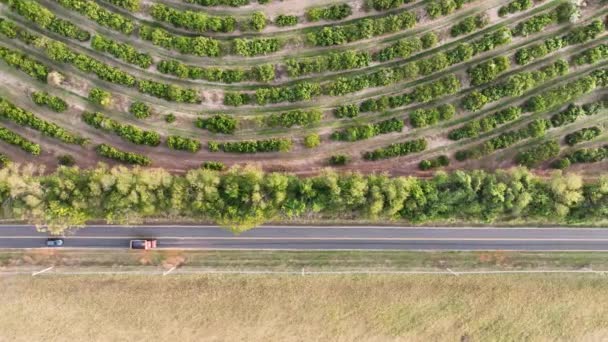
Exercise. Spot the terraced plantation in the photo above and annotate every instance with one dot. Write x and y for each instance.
(408, 87)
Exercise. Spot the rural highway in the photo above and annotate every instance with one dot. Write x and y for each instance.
(320, 238)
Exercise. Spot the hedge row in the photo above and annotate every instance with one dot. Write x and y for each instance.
(470, 24)
(515, 85)
(121, 51)
(303, 91)
(426, 117)
(438, 8)
(294, 118)
(128, 132)
(262, 72)
(475, 127)
(252, 146)
(573, 112)
(383, 5)
(406, 47)
(24, 63)
(111, 152)
(362, 29)
(56, 104)
(532, 157)
(346, 111)
(131, 5)
(43, 17)
(213, 165)
(584, 134)
(587, 155)
(220, 123)
(4, 161)
(24, 118)
(185, 144)
(255, 46)
(198, 46)
(192, 20)
(334, 61)
(562, 13)
(397, 150)
(102, 16)
(333, 12)
(283, 20)
(592, 55)
(514, 6)
(434, 163)
(13, 138)
(488, 71)
(362, 132)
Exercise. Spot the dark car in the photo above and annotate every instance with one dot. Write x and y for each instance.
(54, 242)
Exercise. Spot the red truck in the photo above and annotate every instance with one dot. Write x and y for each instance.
(143, 244)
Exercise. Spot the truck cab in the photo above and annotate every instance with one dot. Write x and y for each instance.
(143, 244)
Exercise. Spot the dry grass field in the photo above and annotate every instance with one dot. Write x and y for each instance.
(309, 308)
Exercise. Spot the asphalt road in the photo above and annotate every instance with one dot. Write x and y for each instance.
(321, 238)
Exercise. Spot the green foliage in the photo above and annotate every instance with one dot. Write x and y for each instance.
(24, 118)
(121, 51)
(220, 123)
(528, 54)
(128, 132)
(302, 91)
(212, 74)
(283, 20)
(489, 41)
(140, 110)
(13, 138)
(397, 150)
(43, 17)
(24, 63)
(532, 157)
(236, 99)
(333, 12)
(255, 46)
(434, 163)
(4, 161)
(514, 6)
(192, 20)
(55, 103)
(131, 5)
(185, 144)
(295, 117)
(592, 55)
(258, 21)
(232, 3)
(475, 127)
(252, 146)
(437, 8)
(431, 116)
(361, 29)
(111, 152)
(339, 160)
(170, 118)
(573, 112)
(383, 5)
(579, 35)
(214, 165)
(198, 46)
(362, 132)
(263, 72)
(584, 134)
(333, 61)
(100, 97)
(347, 111)
(535, 24)
(469, 24)
(102, 16)
(489, 70)
(312, 140)
(588, 155)
(66, 160)
(401, 49)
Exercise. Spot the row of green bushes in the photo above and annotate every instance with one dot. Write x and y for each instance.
(383, 5)
(430, 116)
(560, 14)
(438, 8)
(192, 20)
(592, 55)
(332, 12)
(437, 162)
(406, 47)
(573, 112)
(295, 117)
(111, 152)
(13, 138)
(219, 123)
(128, 132)
(584, 134)
(24, 63)
(121, 51)
(514, 6)
(198, 46)
(24, 118)
(362, 132)
(470, 24)
(252, 146)
(584, 155)
(537, 154)
(475, 127)
(489, 70)
(56, 104)
(100, 15)
(184, 144)
(131, 5)
(397, 150)
(334, 61)
(261, 73)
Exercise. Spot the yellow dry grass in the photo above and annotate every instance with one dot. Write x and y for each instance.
(309, 308)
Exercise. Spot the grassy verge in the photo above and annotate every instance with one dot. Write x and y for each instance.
(294, 308)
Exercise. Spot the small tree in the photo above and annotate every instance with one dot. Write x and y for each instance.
(312, 140)
(100, 97)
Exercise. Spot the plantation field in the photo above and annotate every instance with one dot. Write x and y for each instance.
(286, 308)
(406, 87)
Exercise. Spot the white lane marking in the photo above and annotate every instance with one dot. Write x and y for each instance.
(169, 271)
(44, 270)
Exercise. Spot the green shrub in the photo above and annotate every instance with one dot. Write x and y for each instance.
(333, 12)
(538, 154)
(339, 160)
(111, 152)
(55, 103)
(258, 21)
(185, 144)
(100, 97)
(283, 20)
(214, 165)
(220, 123)
(397, 150)
(66, 160)
(312, 140)
(140, 110)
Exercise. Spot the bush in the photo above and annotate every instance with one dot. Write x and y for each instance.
(333, 61)
(397, 150)
(347, 111)
(383, 5)
(255, 46)
(592, 55)
(139, 109)
(404, 48)
(111, 152)
(469, 24)
(170, 118)
(214, 165)
(562, 163)
(312, 140)
(22, 62)
(588, 155)
(561, 94)
(128, 132)
(122, 51)
(55, 103)
(534, 24)
(437, 8)
(434, 163)
(538, 154)
(13, 138)
(131, 5)
(66, 160)
(339, 160)
(302, 91)
(514, 6)
(258, 21)
(363, 132)
(573, 112)
(489, 70)
(526, 55)
(212, 74)
(581, 135)
(100, 97)
(102, 16)
(220, 123)
(252, 146)
(185, 144)
(236, 99)
(198, 46)
(475, 127)
(192, 20)
(232, 3)
(283, 20)
(427, 117)
(294, 118)
(333, 12)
